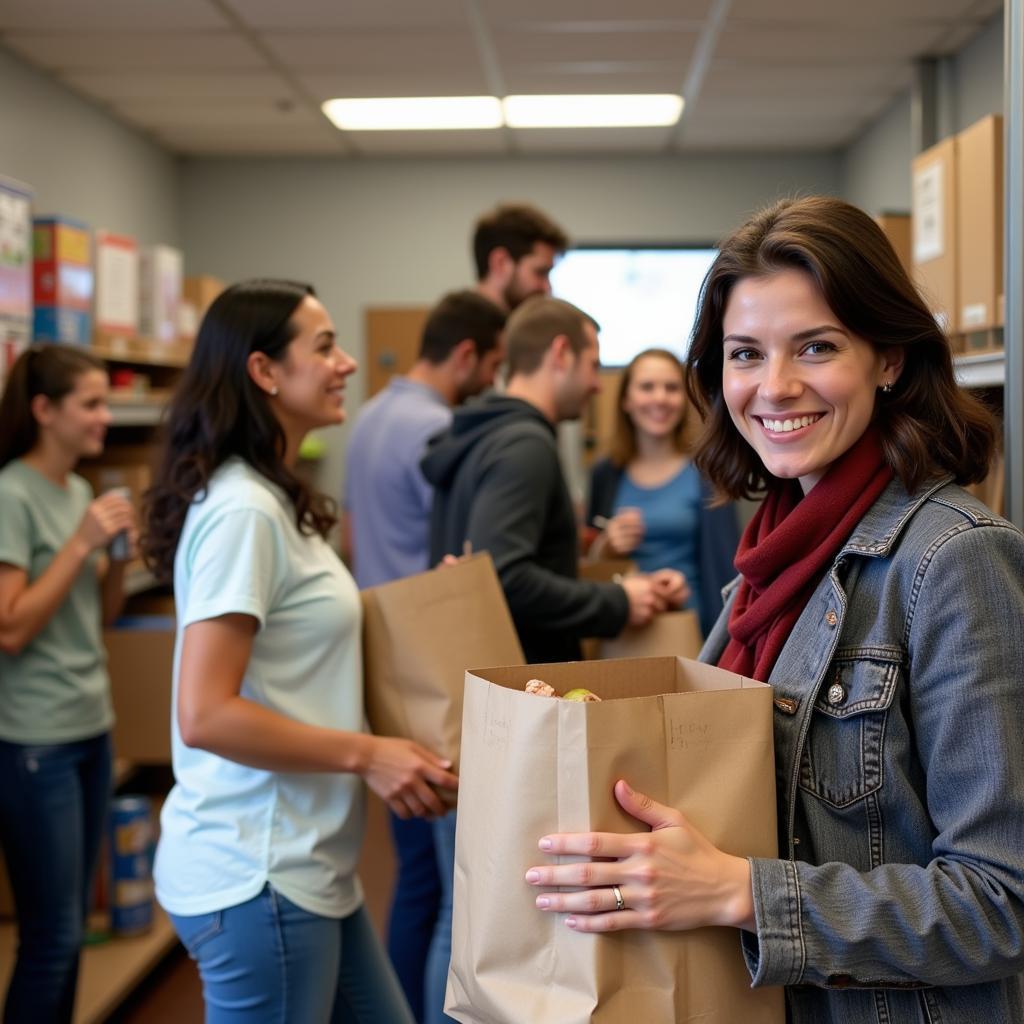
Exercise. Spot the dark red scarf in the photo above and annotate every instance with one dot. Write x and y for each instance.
(787, 547)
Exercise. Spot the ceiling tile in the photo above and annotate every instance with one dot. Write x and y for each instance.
(360, 51)
(348, 14)
(546, 79)
(109, 15)
(864, 13)
(251, 139)
(515, 46)
(501, 12)
(429, 143)
(729, 78)
(582, 140)
(453, 81)
(132, 85)
(159, 51)
(804, 45)
(200, 113)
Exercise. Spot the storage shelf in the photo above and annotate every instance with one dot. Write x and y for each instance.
(109, 970)
(981, 369)
(137, 410)
(140, 352)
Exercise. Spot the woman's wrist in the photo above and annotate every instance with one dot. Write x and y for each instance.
(738, 908)
(355, 752)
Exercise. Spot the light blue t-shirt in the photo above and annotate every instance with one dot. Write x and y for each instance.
(55, 690)
(671, 514)
(228, 829)
(386, 495)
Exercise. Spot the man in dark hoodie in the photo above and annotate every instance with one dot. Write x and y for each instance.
(498, 484)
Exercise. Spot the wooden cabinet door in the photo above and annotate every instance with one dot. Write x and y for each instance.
(392, 342)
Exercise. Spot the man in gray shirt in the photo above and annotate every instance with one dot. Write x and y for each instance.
(387, 499)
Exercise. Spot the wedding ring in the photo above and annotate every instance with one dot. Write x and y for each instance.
(620, 903)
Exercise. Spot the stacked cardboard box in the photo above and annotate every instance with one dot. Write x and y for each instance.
(62, 280)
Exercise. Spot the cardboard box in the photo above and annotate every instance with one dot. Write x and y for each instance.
(934, 223)
(117, 285)
(161, 270)
(201, 290)
(692, 736)
(979, 208)
(896, 227)
(140, 658)
(62, 280)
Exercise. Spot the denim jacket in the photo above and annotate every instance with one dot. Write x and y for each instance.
(899, 751)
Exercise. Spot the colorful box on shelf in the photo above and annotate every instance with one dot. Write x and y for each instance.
(15, 271)
(160, 292)
(62, 279)
(117, 284)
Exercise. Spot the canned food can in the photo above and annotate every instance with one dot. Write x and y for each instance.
(131, 864)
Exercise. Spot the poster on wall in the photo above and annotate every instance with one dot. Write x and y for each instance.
(15, 271)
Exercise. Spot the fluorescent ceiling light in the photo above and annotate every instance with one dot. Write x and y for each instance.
(415, 113)
(614, 111)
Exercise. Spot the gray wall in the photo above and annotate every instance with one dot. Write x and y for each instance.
(876, 167)
(391, 232)
(81, 162)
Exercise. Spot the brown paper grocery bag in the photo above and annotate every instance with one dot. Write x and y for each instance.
(419, 636)
(675, 634)
(690, 735)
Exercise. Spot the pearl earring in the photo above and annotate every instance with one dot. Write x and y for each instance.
(273, 390)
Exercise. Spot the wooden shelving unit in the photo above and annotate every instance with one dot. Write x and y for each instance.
(109, 971)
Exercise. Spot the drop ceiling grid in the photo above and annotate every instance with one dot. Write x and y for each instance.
(800, 73)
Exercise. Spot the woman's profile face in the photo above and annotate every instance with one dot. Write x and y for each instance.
(78, 422)
(654, 399)
(311, 377)
(799, 386)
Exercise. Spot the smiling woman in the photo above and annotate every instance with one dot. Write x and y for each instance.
(873, 597)
(261, 832)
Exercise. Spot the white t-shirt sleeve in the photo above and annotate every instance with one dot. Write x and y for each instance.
(234, 567)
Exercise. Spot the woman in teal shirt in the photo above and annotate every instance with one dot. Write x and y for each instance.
(56, 585)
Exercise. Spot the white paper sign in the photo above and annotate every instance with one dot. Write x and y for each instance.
(927, 214)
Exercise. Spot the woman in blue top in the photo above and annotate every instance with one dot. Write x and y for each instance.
(56, 585)
(648, 497)
(261, 832)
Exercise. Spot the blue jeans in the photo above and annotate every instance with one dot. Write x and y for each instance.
(414, 907)
(267, 961)
(441, 945)
(53, 810)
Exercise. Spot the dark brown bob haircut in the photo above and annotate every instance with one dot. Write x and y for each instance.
(535, 324)
(929, 426)
(622, 448)
(516, 227)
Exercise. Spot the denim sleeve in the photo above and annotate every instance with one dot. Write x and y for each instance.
(958, 919)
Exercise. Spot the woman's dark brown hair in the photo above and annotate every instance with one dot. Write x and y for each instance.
(218, 412)
(929, 426)
(622, 448)
(48, 370)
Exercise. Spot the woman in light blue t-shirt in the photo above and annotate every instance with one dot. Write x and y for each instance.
(56, 586)
(261, 832)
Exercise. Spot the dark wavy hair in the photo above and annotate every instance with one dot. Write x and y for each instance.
(929, 426)
(48, 370)
(218, 412)
(622, 448)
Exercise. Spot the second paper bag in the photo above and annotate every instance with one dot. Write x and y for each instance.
(689, 735)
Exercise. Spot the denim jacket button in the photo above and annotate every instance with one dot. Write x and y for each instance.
(836, 694)
(830, 617)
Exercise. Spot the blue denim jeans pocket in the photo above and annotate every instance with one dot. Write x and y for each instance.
(196, 930)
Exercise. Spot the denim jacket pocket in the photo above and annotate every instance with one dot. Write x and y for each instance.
(842, 759)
